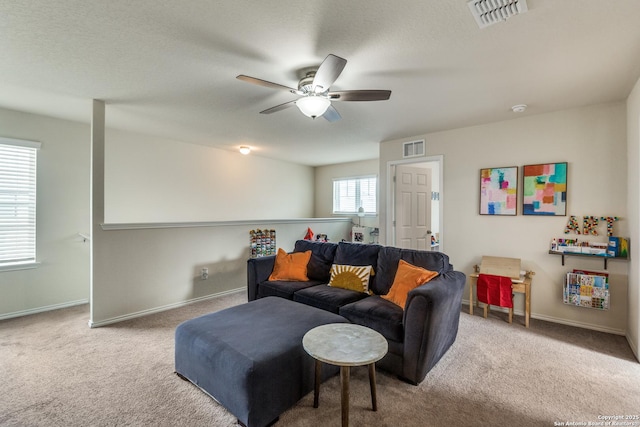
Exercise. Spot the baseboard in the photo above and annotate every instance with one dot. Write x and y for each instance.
(43, 309)
(633, 346)
(580, 324)
(561, 321)
(162, 308)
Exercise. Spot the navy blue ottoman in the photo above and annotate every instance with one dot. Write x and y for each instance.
(250, 357)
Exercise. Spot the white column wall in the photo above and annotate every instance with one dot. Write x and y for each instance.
(633, 158)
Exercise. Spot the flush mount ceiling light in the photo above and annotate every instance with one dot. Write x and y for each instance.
(519, 108)
(489, 12)
(245, 150)
(313, 105)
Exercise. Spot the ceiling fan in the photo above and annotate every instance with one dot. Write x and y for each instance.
(313, 89)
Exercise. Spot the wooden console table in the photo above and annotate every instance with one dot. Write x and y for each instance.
(500, 266)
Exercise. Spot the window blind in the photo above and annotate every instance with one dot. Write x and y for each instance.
(349, 194)
(18, 162)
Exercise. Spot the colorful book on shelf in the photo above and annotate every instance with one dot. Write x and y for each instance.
(593, 273)
(612, 249)
(623, 247)
(587, 290)
(618, 247)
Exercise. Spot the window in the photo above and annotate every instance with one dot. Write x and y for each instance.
(349, 194)
(17, 202)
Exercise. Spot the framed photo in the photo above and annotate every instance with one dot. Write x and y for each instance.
(499, 191)
(544, 189)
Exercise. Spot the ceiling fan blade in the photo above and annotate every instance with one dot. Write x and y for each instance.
(360, 95)
(278, 107)
(332, 114)
(265, 83)
(328, 72)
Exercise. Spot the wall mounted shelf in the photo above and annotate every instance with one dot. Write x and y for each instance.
(605, 258)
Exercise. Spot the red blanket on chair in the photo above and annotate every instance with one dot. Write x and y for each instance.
(495, 290)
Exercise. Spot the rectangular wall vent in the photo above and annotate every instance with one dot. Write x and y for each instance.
(413, 148)
(489, 12)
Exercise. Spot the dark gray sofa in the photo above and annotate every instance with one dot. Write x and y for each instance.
(418, 336)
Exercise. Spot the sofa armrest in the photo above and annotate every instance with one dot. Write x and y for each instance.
(258, 271)
(431, 318)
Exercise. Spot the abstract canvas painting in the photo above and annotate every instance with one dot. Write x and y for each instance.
(544, 189)
(499, 191)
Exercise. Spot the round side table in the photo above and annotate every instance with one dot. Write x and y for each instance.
(345, 345)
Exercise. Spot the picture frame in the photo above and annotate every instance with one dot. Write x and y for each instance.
(544, 189)
(499, 191)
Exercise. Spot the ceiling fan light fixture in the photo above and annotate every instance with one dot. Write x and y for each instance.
(314, 91)
(313, 106)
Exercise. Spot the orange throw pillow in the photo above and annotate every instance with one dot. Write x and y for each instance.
(291, 267)
(407, 277)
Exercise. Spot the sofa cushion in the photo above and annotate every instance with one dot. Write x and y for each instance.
(327, 298)
(322, 254)
(291, 267)
(408, 277)
(353, 277)
(359, 254)
(378, 314)
(388, 264)
(283, 289)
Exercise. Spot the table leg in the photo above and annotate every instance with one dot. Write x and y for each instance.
(470, 296)
(316, 387)
(344, 382)
(527, 304)
(372, 385)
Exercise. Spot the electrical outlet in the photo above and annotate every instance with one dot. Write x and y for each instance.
(204, 275)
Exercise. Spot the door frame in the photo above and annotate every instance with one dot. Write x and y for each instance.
(391, 190)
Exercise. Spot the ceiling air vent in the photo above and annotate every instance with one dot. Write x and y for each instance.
(489, 12)
(413, 148)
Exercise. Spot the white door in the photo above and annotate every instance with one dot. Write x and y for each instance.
(413, 207)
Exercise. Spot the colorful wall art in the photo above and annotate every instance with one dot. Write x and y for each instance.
(499, 191)
(544, 189)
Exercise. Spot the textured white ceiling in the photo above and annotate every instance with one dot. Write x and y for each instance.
(168, 67)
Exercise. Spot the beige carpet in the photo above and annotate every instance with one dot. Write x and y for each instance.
(55, 371)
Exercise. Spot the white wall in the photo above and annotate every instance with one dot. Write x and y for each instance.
(62, 278)
(593, 141)
(633, 146)
(140, 269)
(153, 269)
(151, 179)
(146, 270)
(324, 176)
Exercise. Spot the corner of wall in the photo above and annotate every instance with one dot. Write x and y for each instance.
(633, 206)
